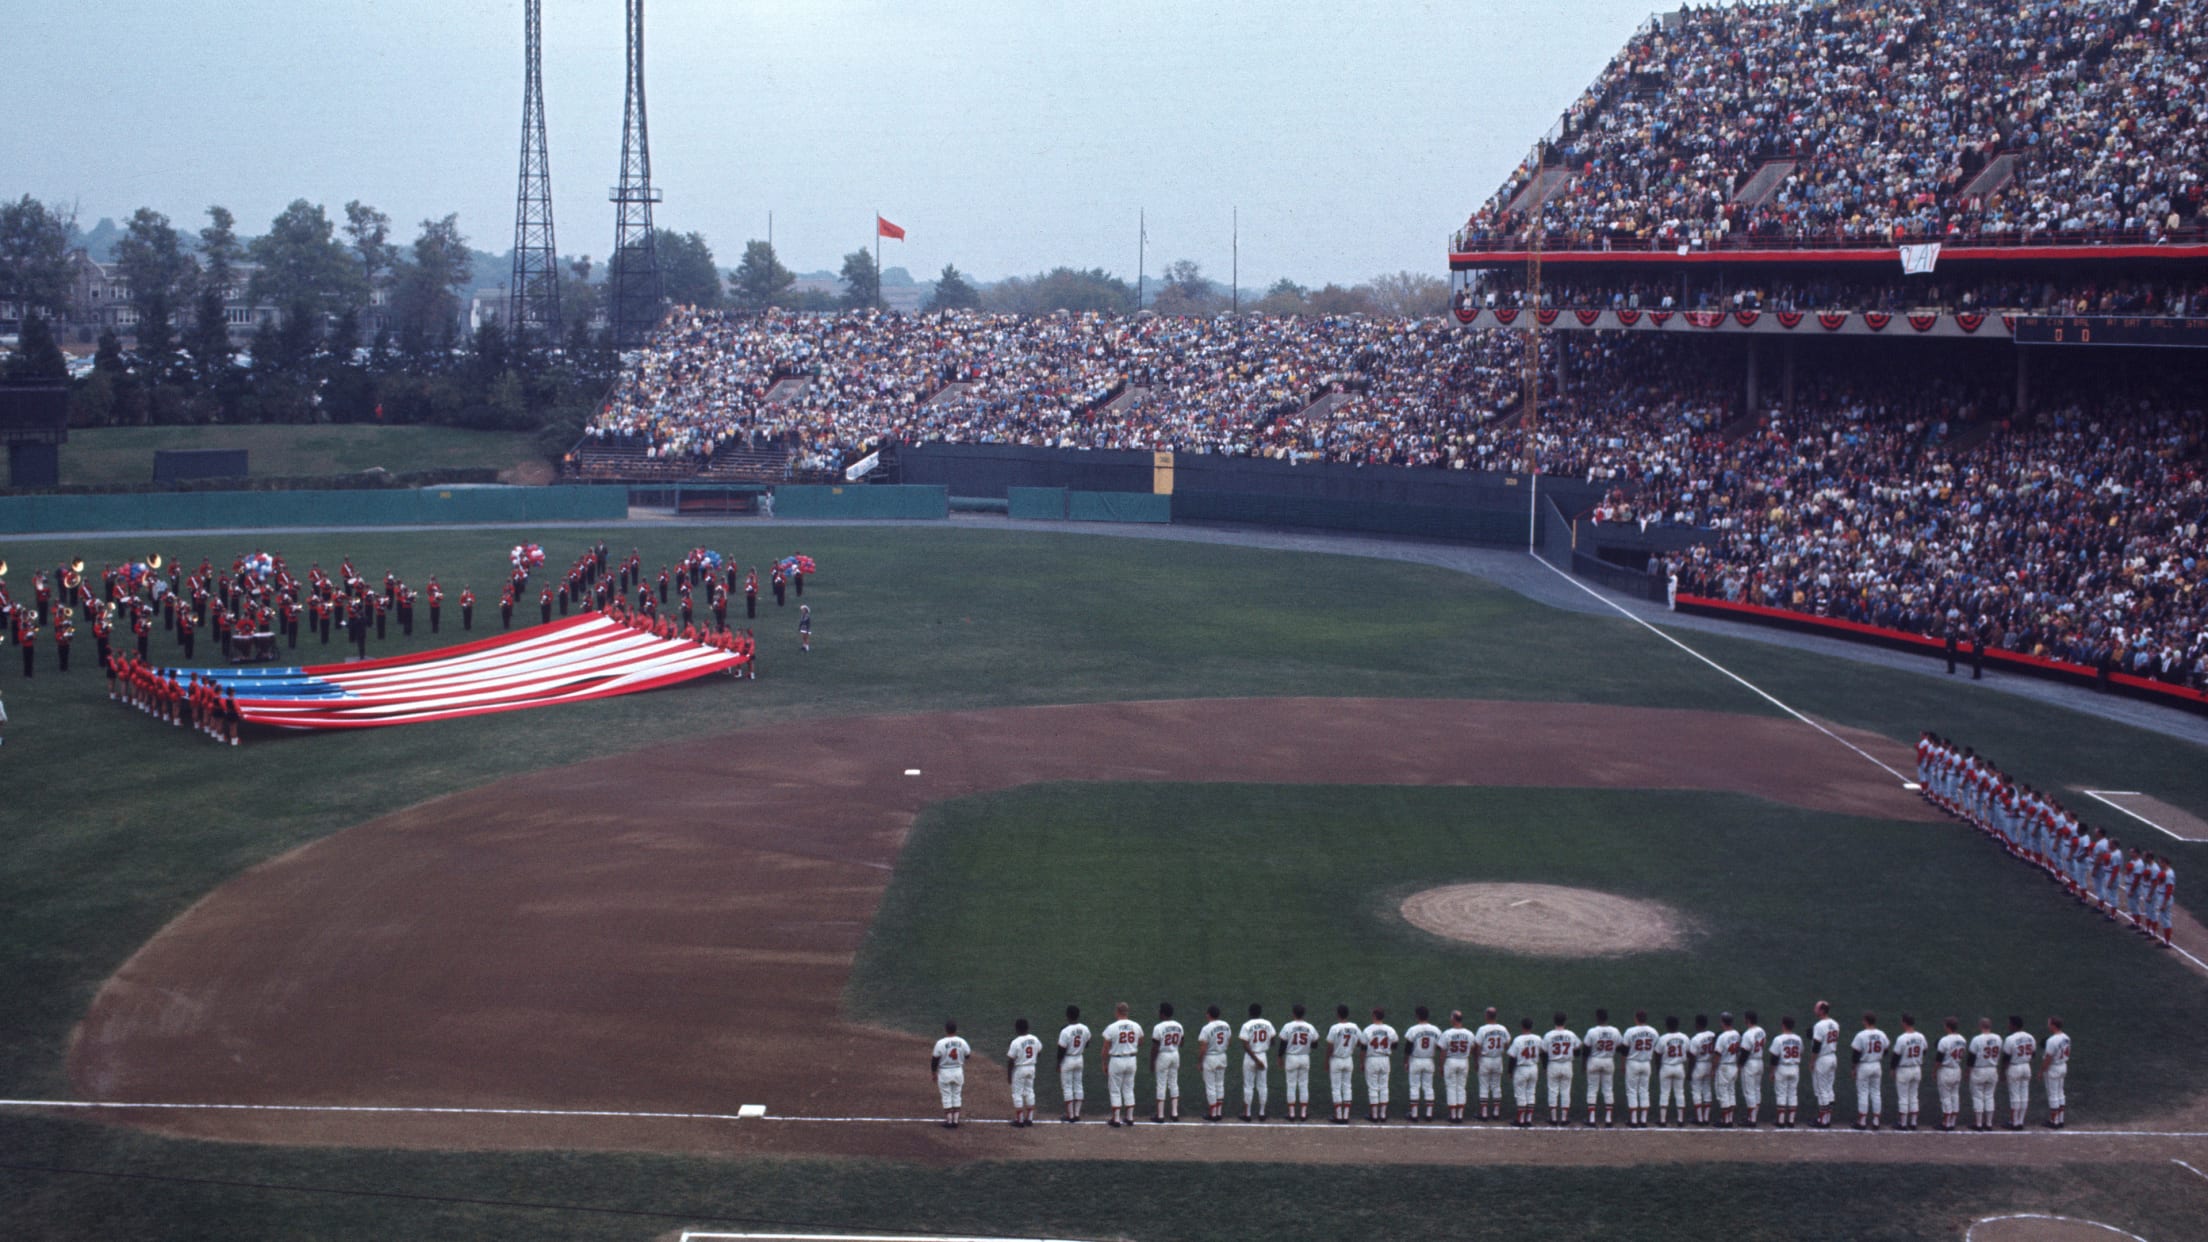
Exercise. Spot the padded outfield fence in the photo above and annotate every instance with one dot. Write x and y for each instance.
(427, 506)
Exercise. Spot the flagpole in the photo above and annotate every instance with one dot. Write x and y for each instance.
(877, 259)
(1142, 242)
(1234, 281)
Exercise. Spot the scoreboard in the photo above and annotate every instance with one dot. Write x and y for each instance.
(2162, 332)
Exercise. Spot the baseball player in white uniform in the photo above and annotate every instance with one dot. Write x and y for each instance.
(1165, 1063)
(1525, 1074)
(1824, 1045)
(1909, 1049)
(1257, 1060)
(948, 1064)
(1869, 1051)
(1701, 1068)
(1493, 1042)
(1457, 1045)
(1214, 1037)
(1948, 1073)
(1073, 1045)
(2165, 894)
(1341, 1063)
(2018, 1050)
(1671, 1075)
(2054, 1071)
(1561, 1047)
(1122, 1046)
(1753, 1040)
(1786, 1073)
(1019, 1072)
(1421, 1044)
(1378, 1040)
(1600, 1046)
(1985, 1072)
(1296, 1040)
(1727, 1050)
(1640, 1062)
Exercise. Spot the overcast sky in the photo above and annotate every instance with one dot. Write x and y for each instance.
(1006, 137)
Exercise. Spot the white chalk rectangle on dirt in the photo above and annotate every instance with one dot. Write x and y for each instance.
(751, 1110)
(912, 771)
(2171, 821)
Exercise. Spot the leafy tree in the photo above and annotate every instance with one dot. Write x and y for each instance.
(298, 337)
(1061, 288)
(426, 289)
(1335, 300)
(1286, 297)
(109, 357)
(371, 233)
(954, 292)
(344, 335)
(1412, 295)
(208, 339)
(811, 302)
(151, 259)
(36, 355)
(1187, 292)
(302, 264)
(34, 256)
(686, 269)
(862, 281)
(760, 280)
(490, 349)
(219, 249)
(267, 349)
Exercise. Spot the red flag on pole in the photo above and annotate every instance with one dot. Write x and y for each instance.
(883, 228)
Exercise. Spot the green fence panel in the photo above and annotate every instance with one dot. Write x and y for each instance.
(1046, 504)
(1464, 525)
(25, 515)
(1120, 507)
(859, 500)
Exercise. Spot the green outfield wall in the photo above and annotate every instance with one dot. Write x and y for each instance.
(859, 500)
(427, 506)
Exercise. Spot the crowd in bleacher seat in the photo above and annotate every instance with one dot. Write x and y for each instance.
(1888, 110)
(1404, 392)
(2175, 296)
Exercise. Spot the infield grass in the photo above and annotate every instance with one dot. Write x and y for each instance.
(1229, 894)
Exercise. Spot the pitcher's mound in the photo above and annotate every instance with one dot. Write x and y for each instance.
(2036, 1228)
(1545, 919)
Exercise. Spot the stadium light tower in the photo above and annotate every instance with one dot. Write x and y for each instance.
(635, 293)
(533, 309)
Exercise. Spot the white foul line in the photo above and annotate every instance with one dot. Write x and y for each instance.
(689, 1234)
(2095, 794)
(2188, 1168)
(2070, 1220)
(622, 1114)
(1757, 690)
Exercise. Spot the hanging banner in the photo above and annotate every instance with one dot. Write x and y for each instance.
(1920, 260)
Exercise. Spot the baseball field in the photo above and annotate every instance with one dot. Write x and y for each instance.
(515, 976)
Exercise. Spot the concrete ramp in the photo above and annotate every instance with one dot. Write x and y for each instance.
(1993, 178)
(948, 392)
(1758, 189)
(1323, 408)
(1126, 400)
(1544, 184)
(786, 391)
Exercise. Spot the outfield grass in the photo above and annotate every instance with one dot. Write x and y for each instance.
(1228, 894)
(111, 825)
(105, 455)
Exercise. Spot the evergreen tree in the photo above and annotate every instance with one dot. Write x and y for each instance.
(36, 355)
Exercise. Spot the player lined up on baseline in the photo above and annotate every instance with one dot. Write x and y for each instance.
(1709, 1077)
(2140, 888)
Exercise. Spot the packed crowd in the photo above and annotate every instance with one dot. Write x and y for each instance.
(2036, 828)
(1887, 111)
(830, 389)
(2096, 295)
(1712, 1076)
